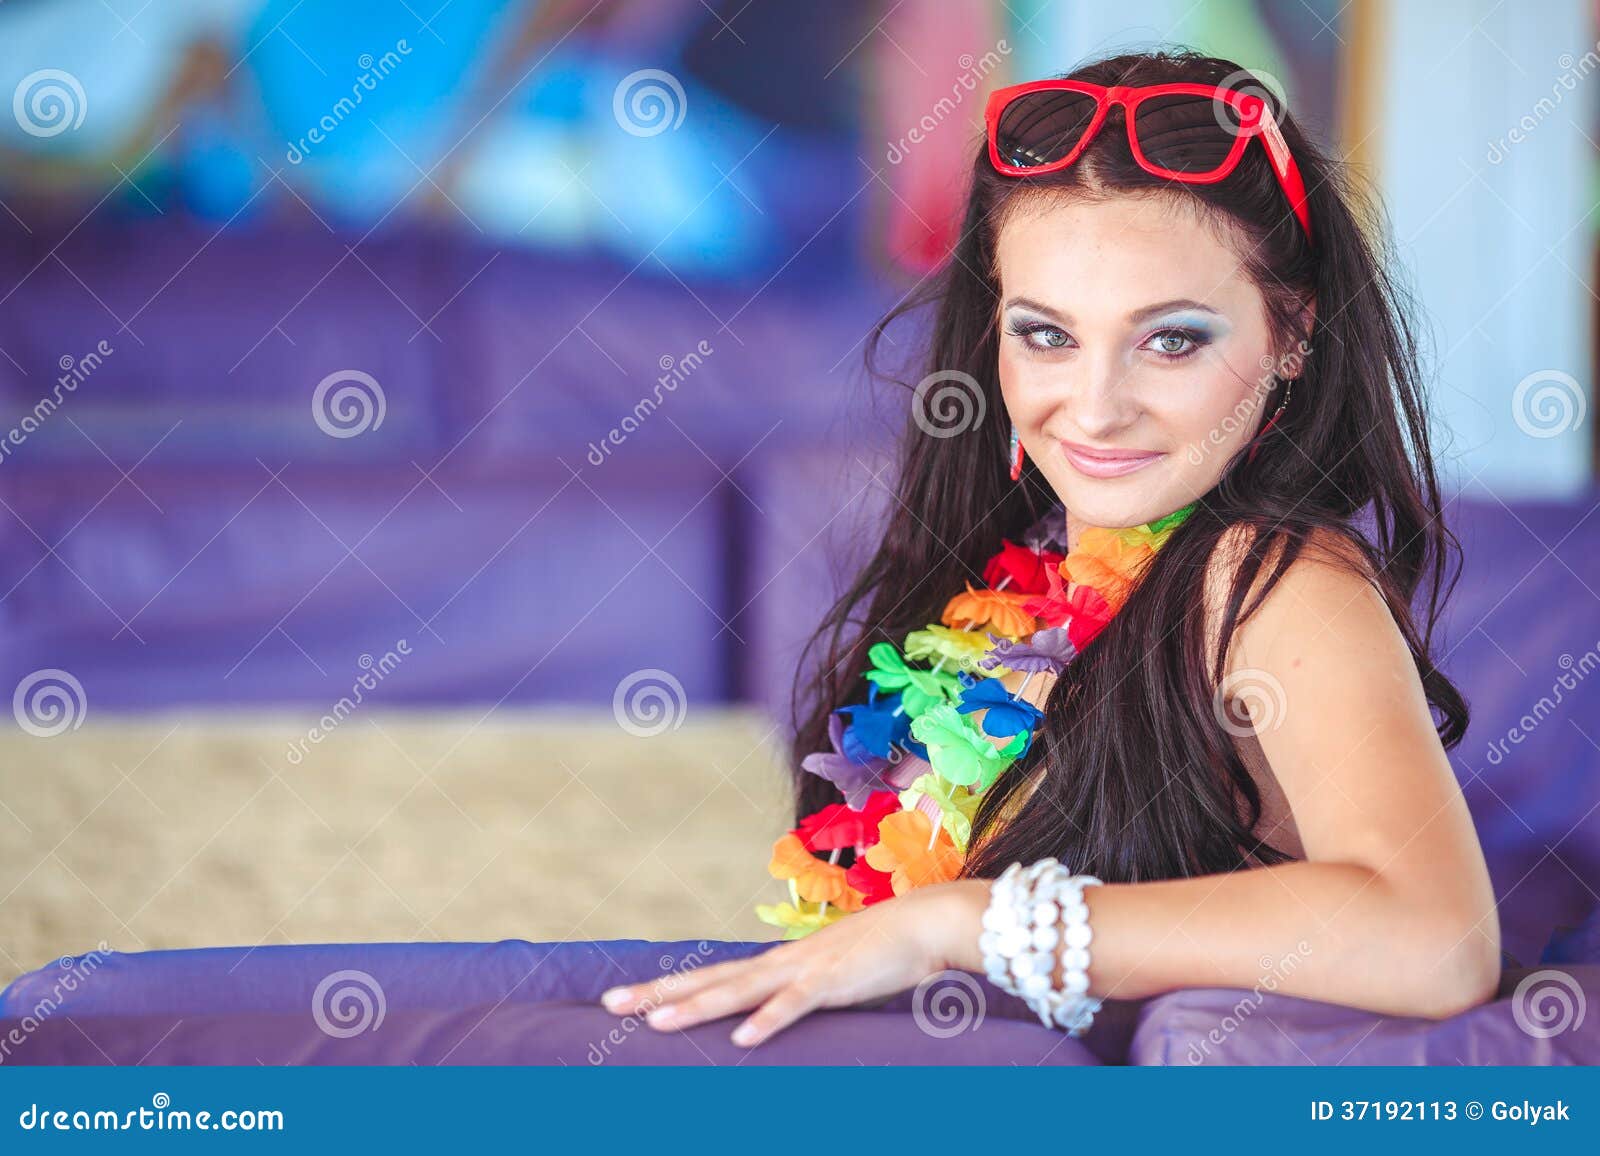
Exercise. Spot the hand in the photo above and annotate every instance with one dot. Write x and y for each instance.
(871, 953)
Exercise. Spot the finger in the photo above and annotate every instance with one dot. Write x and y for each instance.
(629, 999)
(792, 1002)
(735, 994)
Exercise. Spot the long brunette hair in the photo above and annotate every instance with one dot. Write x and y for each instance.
(1133, 775)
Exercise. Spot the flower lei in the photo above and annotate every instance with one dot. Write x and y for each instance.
(914, 760)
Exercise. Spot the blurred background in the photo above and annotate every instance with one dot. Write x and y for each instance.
(429, 431)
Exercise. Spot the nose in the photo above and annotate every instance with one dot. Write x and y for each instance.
(1102, 402)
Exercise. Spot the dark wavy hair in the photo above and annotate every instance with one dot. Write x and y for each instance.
(1135, 711)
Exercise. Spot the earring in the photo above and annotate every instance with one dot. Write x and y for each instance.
(1288, 391)
(1255, 442)
(1015, 453)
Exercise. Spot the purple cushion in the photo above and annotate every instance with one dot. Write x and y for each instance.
(529, 1033)
(1579, 944)
(1549, 1019)
(506, 1002)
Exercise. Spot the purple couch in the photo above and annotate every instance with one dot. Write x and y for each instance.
(527, 1003)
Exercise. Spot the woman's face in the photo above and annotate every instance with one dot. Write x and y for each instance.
(1134, 353)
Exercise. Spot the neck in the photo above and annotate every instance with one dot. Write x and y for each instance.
(1076, 526)
(1075, 529)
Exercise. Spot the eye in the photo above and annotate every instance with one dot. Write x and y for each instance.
(1175, 344)
(1039, 336)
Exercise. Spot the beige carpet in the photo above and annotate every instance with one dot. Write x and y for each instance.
(198, 830)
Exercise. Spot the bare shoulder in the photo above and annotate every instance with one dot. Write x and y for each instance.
(1328, 588)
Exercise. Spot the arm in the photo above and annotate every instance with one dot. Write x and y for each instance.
(1392, 910)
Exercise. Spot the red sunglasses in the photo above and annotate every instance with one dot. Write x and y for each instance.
(1044, 125)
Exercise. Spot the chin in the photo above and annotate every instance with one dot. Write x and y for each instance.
(1118, 503)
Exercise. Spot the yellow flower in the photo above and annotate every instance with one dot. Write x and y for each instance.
(959, 804)
(963, 648)
(797, 918)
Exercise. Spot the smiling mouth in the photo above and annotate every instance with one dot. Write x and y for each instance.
(1107, 463)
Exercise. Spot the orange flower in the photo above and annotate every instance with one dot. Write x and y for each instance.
(1108, 563)
(1000, 610)
(902, 850)
(817, 880)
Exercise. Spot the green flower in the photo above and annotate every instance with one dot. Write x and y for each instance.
(920, 689)
(960, 752)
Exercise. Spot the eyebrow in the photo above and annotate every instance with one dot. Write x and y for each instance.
(1134, 318)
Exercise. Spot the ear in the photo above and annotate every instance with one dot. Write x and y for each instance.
(1306, 324)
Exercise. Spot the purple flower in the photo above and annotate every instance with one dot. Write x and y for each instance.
(1049, 531)
(1046, 650)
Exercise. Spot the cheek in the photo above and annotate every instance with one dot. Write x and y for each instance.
(1218, 406)
(1026, 387)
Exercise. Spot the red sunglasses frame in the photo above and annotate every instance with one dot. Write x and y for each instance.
(1255, 120)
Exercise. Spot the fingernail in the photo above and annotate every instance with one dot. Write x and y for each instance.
(614, 997)
(744, 1034)
(662, 1016)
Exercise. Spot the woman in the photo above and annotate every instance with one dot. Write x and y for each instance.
(1220, 704)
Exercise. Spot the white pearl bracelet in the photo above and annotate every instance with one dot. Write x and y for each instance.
(1021, 938)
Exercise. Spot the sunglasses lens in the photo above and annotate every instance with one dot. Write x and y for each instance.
(1191, 135)
(1042, 127)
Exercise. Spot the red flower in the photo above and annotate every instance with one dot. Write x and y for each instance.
(1084, 611)
(836, 825)
(1054, 607)
(874, 886)
(1027, 571)
(1090, 613)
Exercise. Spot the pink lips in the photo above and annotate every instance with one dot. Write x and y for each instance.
(1104, 463)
